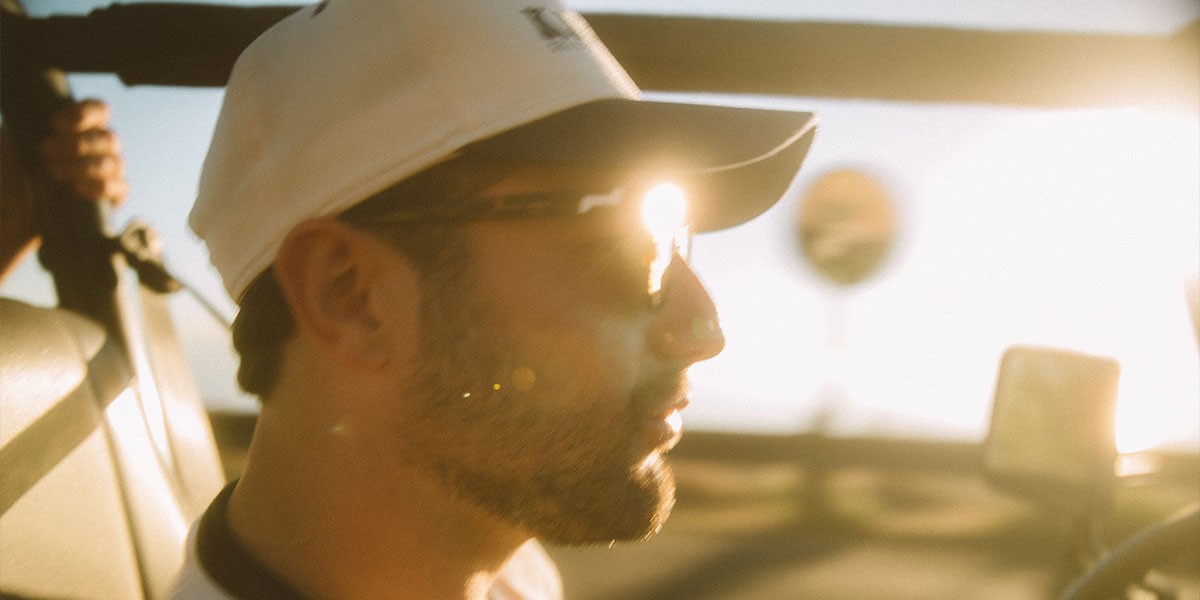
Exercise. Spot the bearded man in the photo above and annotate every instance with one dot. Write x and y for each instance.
(456, 233)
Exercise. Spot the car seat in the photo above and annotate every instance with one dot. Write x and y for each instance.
(102, 471)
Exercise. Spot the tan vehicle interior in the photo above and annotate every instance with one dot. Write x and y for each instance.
(91, 506)
(106, 452)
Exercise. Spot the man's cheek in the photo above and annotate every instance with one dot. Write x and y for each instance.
(556, 367)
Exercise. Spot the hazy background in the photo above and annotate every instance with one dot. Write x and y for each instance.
(1075, 229)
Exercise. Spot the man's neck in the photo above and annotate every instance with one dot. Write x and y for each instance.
(320, 507)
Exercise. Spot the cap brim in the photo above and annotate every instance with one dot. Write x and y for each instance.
(735, 162)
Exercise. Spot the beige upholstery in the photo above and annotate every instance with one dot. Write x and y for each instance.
(100, 477)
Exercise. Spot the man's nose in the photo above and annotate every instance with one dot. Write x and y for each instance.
(685, 329)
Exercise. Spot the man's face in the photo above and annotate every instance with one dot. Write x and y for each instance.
(550, 387)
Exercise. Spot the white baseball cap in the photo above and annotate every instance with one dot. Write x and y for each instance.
(344, 98)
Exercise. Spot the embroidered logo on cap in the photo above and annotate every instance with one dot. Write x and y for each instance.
(553, 28)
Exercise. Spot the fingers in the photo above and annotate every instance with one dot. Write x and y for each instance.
(81, 116)
(99, 179)
(71, 168)
(84, 154)
(66, 145)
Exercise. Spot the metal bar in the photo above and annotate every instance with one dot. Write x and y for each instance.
(196, 45)
(153, 44)
(909, 64)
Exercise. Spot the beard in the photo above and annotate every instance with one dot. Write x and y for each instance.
(594, 504)
(529, 428)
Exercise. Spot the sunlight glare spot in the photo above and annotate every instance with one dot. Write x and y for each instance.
(664, 208)
(524, 378)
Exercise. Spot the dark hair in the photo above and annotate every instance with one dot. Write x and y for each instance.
(264, 322)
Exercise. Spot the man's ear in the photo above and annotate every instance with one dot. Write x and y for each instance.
(334, 280)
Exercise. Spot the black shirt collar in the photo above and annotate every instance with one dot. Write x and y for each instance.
(229, 563)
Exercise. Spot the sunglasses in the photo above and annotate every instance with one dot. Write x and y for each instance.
(661, 211)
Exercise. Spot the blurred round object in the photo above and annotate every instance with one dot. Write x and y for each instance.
(846, 226)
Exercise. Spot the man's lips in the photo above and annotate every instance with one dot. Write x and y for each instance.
(672, 414)
(663, 430)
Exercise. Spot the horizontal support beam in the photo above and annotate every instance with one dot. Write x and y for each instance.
(907, 64)
(191, 45)
(195, 45)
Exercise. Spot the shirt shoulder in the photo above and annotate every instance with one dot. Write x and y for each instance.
(529, 575)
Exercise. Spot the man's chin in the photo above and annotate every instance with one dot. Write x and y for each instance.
(634, 514)
(638, 531)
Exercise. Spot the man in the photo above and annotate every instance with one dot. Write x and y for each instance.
(463, 336)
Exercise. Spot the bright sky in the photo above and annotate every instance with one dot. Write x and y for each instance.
(1071, 229)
